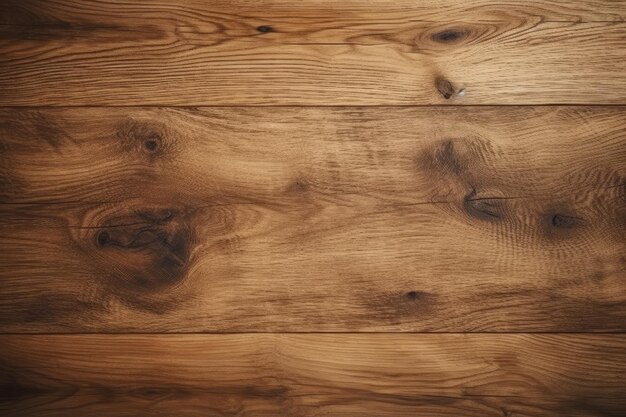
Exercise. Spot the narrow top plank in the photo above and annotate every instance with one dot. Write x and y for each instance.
(34, 11)
(276, 52)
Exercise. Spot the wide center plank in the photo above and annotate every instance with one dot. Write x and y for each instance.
(313, 219)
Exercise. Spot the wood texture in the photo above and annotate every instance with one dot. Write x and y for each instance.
(312, 208)
(313, 219)
(314, 375)
(314, 52)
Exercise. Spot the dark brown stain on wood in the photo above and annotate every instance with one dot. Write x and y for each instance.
(9, 184)
(35, 127)
(59, 307)
(457, 158)
(14, 388)
(61, 31)
(594, 406)
(48, 130)
(445, 87)
(446, 157)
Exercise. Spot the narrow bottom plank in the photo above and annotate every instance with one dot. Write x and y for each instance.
(313, 375)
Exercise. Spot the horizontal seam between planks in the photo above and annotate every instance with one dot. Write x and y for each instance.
(390, 106)
(531, 333)
(441, 21)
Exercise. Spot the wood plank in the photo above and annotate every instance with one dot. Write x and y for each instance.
(313, 219)
(219, 52)
(314, 375)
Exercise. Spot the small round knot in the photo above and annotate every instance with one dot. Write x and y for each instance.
(264, 28)
(103, 238)
(412, 295)
(151, 143)
(564, 222)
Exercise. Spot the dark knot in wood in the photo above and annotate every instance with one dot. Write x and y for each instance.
(562, 221)
(445, 87)
(484, 208)
(265, 28)
(449, 36)
(148, 249)
(152, 143)
(415, 295)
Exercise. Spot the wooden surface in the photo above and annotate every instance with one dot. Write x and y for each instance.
(312, 208)
(315, 375)
(416, 219)
(200, 52)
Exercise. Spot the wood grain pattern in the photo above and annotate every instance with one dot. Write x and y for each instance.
(353, 52)
(314, 375)
(312, 208)
(313, 219)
